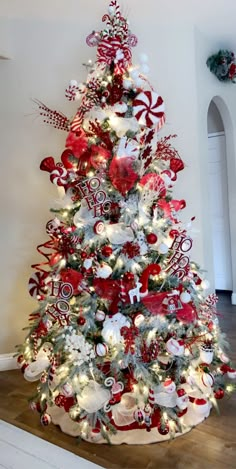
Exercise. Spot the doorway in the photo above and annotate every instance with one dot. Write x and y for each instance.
(219, 202)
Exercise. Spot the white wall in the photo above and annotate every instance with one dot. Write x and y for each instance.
(46, 40)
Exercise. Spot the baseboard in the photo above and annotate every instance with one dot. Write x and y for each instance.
(233, 298)
(7, 361)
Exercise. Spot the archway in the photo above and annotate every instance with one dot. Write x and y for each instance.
(222, 174)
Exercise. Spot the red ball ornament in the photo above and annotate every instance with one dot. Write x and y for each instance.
(81, 321)
(173, 233)
(55, 259)
(73, 277)
(23, 367)
(20, 360)
(107, 251)
(45, 419)
(151, 238)
(83, 255)
(41, 407)
(163, 429)
(210, 325)
(128, 277)
(219, 394)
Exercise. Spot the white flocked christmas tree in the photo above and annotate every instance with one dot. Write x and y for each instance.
(125, 342)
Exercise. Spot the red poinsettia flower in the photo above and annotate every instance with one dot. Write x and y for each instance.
(99, 156)
(77, 142)
(122, 175)
(131, 249)
(154, 182)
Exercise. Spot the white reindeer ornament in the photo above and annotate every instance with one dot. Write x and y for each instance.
(135, 293)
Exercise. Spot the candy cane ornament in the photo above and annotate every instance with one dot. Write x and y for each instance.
(148, 108)
(122, 293)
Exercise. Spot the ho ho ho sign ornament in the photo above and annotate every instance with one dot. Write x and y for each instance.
(178, 264)
(60, 309)
(96, 198)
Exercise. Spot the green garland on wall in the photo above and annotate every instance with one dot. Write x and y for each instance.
(223, 65)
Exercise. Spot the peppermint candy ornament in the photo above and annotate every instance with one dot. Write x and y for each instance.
(99, 227)
(36, 284)
(59, 176)
(148, 108)
(53, 227)
(71, 92)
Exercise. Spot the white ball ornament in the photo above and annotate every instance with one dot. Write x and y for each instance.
(101, 350)
(143, 58)
(174, 347)
(205, 284)
(88, 263)
(185, 297)
(111, 10)
(127, 84)
(73, 83)
(138, 320)
(162, 248)
(208, 380)
(134, 74)
(67, 390)
(145, 69)
(100, 315)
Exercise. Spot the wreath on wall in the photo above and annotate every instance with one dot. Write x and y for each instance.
(223, 65)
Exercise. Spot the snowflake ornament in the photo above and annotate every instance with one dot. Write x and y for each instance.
(80, 350)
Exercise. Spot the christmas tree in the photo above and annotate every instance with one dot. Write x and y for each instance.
(125, 341)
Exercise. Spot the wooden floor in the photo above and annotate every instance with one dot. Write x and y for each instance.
(211, 445)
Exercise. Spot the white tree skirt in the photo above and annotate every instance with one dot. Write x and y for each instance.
(193, 417)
